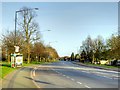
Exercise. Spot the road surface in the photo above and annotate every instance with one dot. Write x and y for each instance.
(65, 74)
(61, 74)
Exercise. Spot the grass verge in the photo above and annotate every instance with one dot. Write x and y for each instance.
(104, 66)
(5, 67)
(6, 70)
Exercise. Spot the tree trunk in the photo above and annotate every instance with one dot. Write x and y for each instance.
(8, 57)
(28, 49)
(28, 58)
(93, 59)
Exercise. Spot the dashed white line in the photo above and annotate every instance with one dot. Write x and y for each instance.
(72, 79)
(107, 77)
(68, 77)
(64, 75)
(34, 71)
(79, 82)
(87, 86)
(33, 78)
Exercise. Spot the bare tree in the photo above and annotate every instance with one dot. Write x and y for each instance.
(8, 43)
(29, 27)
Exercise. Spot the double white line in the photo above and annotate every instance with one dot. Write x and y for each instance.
(33, 74)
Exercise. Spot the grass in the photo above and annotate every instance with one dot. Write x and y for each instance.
(104, 66)
(6, 70)
(5, 67)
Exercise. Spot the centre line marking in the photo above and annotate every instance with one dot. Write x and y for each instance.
(87, 86)
(34, 71)
(68, 77)
(72, 79)
(79, 82)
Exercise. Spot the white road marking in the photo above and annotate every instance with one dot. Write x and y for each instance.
(33, 79)
(116, 76)
(87, 86)
(34, 71)
(107, 77)
(64, 75)
(68, 77)
(85, 71)
(79, 82)
(72, 79)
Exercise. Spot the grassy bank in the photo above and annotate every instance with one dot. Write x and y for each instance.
(5, 67)
(104, 66)
(6, 70)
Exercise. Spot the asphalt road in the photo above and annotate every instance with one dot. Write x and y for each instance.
(61, 74)
(65, 74)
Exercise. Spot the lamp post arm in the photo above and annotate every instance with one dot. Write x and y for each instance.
(15, 26)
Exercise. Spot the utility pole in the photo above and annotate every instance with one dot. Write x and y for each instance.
(15, 42)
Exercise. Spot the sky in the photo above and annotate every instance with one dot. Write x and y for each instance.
(70, 22)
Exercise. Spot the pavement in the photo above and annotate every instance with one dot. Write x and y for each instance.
(20, 78)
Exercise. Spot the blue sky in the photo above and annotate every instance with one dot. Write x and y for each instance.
(70, 22)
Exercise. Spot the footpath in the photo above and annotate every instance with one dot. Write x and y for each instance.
(20, 78)
(98, 67)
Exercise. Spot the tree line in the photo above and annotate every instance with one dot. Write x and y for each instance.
(94, 50)
(28, 38)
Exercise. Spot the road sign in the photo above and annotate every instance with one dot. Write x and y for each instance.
(16, 48)
(19, 60)
(16, 60)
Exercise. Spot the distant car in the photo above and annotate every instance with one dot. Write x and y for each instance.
(114, 63)
(103, 61)
(65, 59)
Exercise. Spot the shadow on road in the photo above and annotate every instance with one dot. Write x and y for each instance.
(39, 81)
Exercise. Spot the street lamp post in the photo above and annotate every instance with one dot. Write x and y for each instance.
(15, 45)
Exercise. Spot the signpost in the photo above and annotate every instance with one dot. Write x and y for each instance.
(12, 60)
